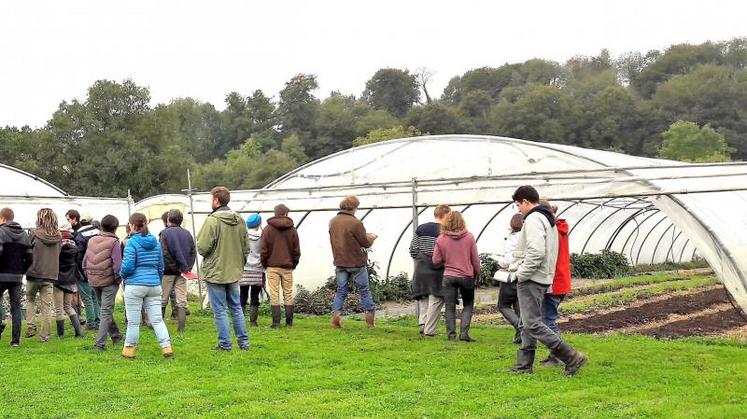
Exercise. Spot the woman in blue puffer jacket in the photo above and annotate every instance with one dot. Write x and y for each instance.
(142, 269)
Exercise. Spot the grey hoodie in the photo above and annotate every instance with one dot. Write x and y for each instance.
(538, 242)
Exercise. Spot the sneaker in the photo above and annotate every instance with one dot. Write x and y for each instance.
(30, 332)
(245, 347)
(14, 345)
(222, 348)
(99, 348)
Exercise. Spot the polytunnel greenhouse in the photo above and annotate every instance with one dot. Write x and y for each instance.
(650, 210)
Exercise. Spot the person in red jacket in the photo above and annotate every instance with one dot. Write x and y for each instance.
(561, 283)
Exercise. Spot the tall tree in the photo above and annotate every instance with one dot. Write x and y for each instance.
(393, 90)
(686, 141)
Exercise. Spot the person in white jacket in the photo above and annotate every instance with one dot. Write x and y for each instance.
(508, 301)
(538, 242)
(253, 278)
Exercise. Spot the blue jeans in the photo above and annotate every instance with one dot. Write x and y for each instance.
(136, 298)
(360, 277)
(550, 305)
(225, 297)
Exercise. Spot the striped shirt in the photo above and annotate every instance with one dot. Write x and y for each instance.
(424, 239)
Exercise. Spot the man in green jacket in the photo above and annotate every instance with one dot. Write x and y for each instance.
(223, 245)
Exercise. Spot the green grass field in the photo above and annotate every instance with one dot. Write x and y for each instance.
(314, 371)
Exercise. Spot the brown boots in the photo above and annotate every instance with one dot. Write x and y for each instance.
(336, 319)
(370, 315)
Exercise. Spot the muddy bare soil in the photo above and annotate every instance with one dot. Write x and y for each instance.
(708, 325)
(689, 305)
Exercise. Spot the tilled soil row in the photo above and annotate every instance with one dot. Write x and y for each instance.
(649, 312)
(707, 325)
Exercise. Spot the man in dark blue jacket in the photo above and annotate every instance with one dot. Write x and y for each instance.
(15, 259)
(179, 256)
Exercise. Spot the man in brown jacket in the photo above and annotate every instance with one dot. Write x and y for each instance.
(349, 241)
(279, 253)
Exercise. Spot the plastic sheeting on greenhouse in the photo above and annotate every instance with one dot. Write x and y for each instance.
(650, 210)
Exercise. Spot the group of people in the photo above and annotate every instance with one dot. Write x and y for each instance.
(241, 259)
(535, 279)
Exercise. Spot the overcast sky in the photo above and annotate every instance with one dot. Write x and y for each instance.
(53, 50)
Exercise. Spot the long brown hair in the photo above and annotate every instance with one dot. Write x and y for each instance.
(453, 222)
(139, 223)
(46, 222)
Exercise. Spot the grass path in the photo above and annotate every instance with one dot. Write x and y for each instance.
(314, 371)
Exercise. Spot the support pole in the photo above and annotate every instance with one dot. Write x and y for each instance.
(194, 234)
(414, 205)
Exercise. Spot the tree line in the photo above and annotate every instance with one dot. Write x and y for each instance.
(687, 102)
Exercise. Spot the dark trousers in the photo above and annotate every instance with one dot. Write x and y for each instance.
(508, 304)
(244, 295)
(107, 324)
(454, 285)
(14, 289)
(550, 311)
(533, 329)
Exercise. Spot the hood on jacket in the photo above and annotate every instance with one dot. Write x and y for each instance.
(227, 216)
(254, 235)
(546, 211)
(562, 227)
(456, 235)
(13, 231)
(148, 242)
(47, 239)
(281, 223)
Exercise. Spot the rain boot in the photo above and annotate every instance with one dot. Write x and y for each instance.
(572, 358)
(289, 316)
(76, 325)
(253, 313)
(370, 316)
(466, 321)
(550, 361)
(524, 362)
(451, 324)
(60, 328)
(181, 319)
(275, 317)
(336, 319)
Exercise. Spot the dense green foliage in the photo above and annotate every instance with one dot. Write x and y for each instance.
(315, 371)
(605, 264)
(114, 139)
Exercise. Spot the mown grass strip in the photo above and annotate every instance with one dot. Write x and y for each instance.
(620, 283)
(626, 296)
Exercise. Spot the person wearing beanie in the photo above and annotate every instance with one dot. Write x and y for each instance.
(253, 279)
(179, 255)
(280, 253)
(508, 301)
(15, 259)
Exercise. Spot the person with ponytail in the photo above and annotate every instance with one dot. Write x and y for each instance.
(41, 276)
(142, 270)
